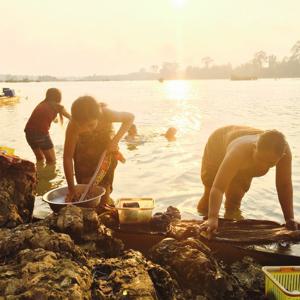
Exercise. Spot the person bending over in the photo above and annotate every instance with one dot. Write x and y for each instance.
(88, 134)
(234, 155)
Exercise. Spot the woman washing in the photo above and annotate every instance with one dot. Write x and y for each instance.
(38, 125)
(88, 135)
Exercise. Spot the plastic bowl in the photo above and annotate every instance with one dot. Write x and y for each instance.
(135, 215)
(56, 197)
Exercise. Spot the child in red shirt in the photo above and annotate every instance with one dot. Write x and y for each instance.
(38, 125)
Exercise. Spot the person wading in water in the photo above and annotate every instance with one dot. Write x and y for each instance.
(234, 155)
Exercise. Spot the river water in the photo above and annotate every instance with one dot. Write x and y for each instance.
(170, 171)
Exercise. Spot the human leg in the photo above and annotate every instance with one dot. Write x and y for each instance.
(32, 141)
(38, 155)
(203, 203)
(47, 148)
(50, 156)
(234, 195)
(213, 155)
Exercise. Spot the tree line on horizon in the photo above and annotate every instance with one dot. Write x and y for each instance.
(261, 65)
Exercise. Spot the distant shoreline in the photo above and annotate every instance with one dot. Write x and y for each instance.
(138, 79)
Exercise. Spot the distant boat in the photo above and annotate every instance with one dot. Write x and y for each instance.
(8, 96)
(161, 80)
(8, 99)
(237, 77)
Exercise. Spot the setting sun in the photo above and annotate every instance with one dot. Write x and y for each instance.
(179, 3)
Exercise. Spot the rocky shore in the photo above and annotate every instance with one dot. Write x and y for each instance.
(74, 255)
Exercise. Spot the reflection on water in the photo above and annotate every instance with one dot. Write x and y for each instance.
(47, 178)
(133, 142)
(10, 101)
(177, 89)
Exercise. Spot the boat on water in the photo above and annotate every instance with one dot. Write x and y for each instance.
(8, 96)
(238, 77)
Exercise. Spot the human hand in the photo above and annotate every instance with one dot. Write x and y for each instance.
(71, 196)
(291, 224)
(119, 156)
(210, 226)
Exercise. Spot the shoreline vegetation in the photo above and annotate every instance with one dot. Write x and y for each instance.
(261, 65)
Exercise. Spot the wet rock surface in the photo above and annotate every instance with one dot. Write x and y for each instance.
(42, 274)
(166, 287)
(34, 236)
(17, 188)
(193, 266)
(123, 277)
(161, 221)
(249, 277)
(60, 258)
(86, 229)
(131, 276)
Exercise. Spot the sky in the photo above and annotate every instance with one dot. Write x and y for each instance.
(107, 37)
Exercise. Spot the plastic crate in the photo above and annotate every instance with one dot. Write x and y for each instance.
(7, 150)
(132, 215)
(282, 283)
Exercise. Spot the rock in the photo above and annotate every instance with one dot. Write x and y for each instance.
(161, 221)
(249, 276)
(84, 226)
(17, 189)
(33, 236)
(70, 220)
(166, 287)
(192, 265)
(42, 274)
(131, 276)
(110, 219)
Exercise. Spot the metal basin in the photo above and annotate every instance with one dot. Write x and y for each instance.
(56, 197)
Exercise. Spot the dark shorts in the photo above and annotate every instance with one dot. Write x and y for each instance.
(39, 140)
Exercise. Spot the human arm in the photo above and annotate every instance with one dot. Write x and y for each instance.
(65, 114)
(69, 149)
(123, 117)
(61, 111)
(285, 188)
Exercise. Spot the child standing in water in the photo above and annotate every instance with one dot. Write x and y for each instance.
(88, 134)
(38, 125)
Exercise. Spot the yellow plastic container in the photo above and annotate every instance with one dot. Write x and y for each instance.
(7, 150)
(135, 215)
(282, 283)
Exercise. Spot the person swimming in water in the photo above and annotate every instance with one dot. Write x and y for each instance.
(232, 157)
(170, 134)
(132, 133)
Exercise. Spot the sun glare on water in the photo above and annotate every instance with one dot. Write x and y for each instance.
(177, 89)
